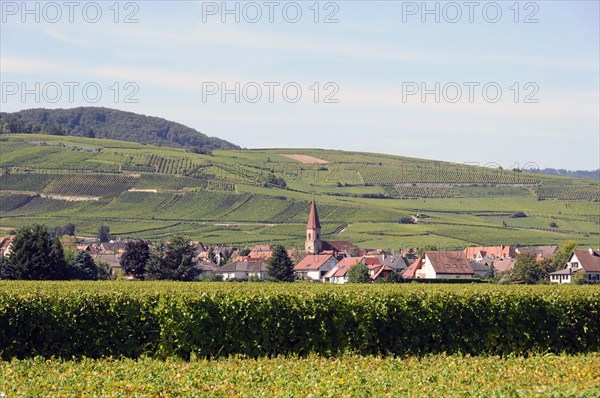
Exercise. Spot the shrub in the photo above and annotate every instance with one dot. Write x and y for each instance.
(161, 319)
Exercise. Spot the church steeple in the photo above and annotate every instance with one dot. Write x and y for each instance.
(313, 230)
(313, 216)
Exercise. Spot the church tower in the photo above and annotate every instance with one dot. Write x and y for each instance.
(313, 231)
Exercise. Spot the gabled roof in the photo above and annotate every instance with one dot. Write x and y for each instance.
(369, 260)
(381, 270)
(262, 248)
(243, 266)
(503, 265)
(397, 262)
(349, 261)
(206, 266)
(540, 252)
(479, 267)
(337, 245)
(449, 262)
(588, 259)
(411, 271)
(489, 251)
(313, 262)
(342, 268)
(313, 217)
(6, 243)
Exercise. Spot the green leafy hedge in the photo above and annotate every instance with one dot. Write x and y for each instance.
(98, 319)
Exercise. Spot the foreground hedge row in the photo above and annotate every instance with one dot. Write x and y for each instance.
(347, 376)
(221, 319)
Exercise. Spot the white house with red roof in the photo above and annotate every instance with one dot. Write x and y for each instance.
(587, 261)
(6, 245)
(315, 266)
(339, 273)
(440, 265)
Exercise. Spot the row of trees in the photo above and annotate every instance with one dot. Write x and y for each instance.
(37, 254)
(176, 260)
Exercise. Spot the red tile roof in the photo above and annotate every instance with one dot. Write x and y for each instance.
(449, 262)
(339, 246)
(312, 262)
(5, 244)
(372, 260)
(503, 265)
(489, 251)
(349, 261)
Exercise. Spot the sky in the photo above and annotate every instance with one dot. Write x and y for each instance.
(506, 83)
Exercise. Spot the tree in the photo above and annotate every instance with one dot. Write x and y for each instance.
(358, 274)
(406, 220)
(579, 278)
(104, 233)
(36, 254)
(174, 260)
(134, 259)
(527, 270)
(561, 256)
(411, 255)
(6, 271)
(67, 229)
(82, 267)
(280, 265)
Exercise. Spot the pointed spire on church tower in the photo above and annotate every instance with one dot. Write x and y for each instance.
(313, 216)
(313, 230)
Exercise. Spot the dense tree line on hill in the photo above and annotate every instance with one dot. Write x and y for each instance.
(590, 174)
(95, 122)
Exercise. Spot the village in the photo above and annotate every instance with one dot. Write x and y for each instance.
(331, 261)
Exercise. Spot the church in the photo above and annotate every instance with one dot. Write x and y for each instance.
(314, 244)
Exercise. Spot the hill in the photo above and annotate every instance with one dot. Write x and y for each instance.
(244, 197)
(94, 122)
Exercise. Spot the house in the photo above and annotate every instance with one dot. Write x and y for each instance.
(378, 271)
(539, 252)
(587, 261)
(315, 266)
(397, 263)
(339, 273)
(440, 265)
(206, 267)
(481, 253)
(113, 246)
(221, 253)
(243, 270)
(260, 252)
(480, 269)
(313, 243)
(112, 259)
(6, 245)
(503, 265)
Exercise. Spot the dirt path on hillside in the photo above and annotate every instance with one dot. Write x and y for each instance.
(305, 159)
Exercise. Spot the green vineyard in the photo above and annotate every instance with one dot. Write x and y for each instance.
(104, 185)
(383, 175)
(587, 193)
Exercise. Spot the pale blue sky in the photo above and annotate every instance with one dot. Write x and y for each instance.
(375, 50)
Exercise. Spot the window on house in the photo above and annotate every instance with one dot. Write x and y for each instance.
(309, 236)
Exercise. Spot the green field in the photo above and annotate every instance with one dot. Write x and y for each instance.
(154, 192)
(431, 376)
